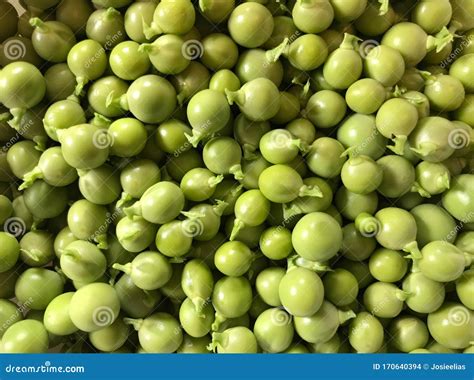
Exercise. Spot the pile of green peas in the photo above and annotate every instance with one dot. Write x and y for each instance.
(281, 176)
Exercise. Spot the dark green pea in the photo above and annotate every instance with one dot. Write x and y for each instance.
(274, 330)
(350, 205)
(408, 333)
(193, 79)
(175, 17)
(36, 248)
(6, 209)
(19, 48)
(355, 246)
(232, 297)
(106, 26)
(135, 235)
(8, 280)
(10, 251)
(387, 265)
(74, 14)
(20, 210)
(45, 201)
(30, 287)
(374, 21)
(252, 170)
(136, 16)
(135, 302)
(325, 109)
(398, 176)
(9, 21)
(52, 40)
(23, 157)
(222, 155)
(178, 166)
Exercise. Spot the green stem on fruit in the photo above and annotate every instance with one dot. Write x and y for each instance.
(310, 191)
(274, 54)
(30, 177)
(236, 170)
(399, 142)
(238, 225)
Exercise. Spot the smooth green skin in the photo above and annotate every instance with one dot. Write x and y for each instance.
(281, 184)
(409, 39)
(305, 205)
(464, 242)
(397, 228)
(465, 287)
(111, 338)
(52, 40)
(284, 27)
(208, 112)
(87, 221)
(197, 282)
(62, 115)
(317, 237)
(332, 346)
(458, 200)
(250, 24)
(279, 146)
(166, 56)
(178, 166)
(204, 221)
(452, 325)
(104, 96)
(171, 136)
(251, 209)
(425, 295)
(398, 176)
(302, 129)
(216, 11)
(148, 270)
(106, 26)
(465, 111)
(232, 297)
(56, 316)
(79, 61)
(430, 139)
(289, 108)
(128, 62)
(463, 70)
(359, 269)
(173, 239)
(13, 92)
(345, 11)
(433, 177)
(445, 92)
(340, 287)
(196, 323)
(83, 261)
(192, 345)
(9, 315)
(83, 146)
(433, 223)
(219, 52)
(9, 20)
(136, 15)
(324, 158)
(235, 340)
(319, 327)
(199, 184)
(365, 96)
(60, 82)
(253, 64)
(355, 246)
(252, 170)
(312, 16)
(22, 157)
(175, 17)
(31, 289)
(129, 137)
(384, 300)
(74, 14)
(267, 285)
(7, 281)
(275, 243)
(366, 333)
(224, 79)
(222, 155)
(6, 209)
(135, 302)
(307, 52)
(233, 258)
(342, 68)
(191, 80)
(325, 109)
(301, 292)
(101, 185)
(408, 334)
(361, 175)
(258, 99)
(45, 201)
(442, 261)
(28, 336)
(94, 307)
(10, 251)
(151, 99)
(274, 330)
(20, 210)
(432, 16)
(36, 248)
(371, 23)
(387, 265)
(385, 65)
(396, 117)
(135, 235)
(160, 204)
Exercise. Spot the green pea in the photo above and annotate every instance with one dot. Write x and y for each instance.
(100, 185)
(197, 283)
(232, 297)
(425, 295)
(56, 316)
(192, 345)
(224, 79)
(235, 340)
(464, 287)
(136, 302)
(28, 336)
(458, 199)
(135, 235)
(175, 17)
(275, 243)
(89, 221)
(82, 261)
(110, 338)
(366, 333)
(312, 17)
(36, 248)
(274, 330)
(196, 323)
(398, 176)
(325, 108)
(174, 239)
(356, 246)
(384, 300)
(433, 177)
(52, 40)
(9, 315)
(387, 265)
(10, 251)
(340, 287)
(22, 157)
(408, 333)
(222, 155)
(433, 223)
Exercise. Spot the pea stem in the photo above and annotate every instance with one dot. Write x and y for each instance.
(151, 30)
(220, 207)
(274, 54)
(147, 48)
(100, 121)
(135, 323)
(18, 114)
(110, 13)
(195, 138)
(384, 5)
(425, 149)
(127, 268)
(345, 315)
(238, 225)
(218, 321)
(402, 295)
(133, 210)
(412, 248)
(310, 191)
(30, 177)
(417, 188)
(237, 97)
(440, 40)
(399, 142)
(236, 170)
(349, 42)
(36, 22)
(214, 181)
(249, 152)
(124, 199)
(315, 266)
